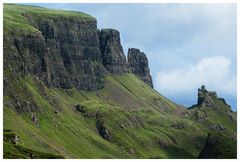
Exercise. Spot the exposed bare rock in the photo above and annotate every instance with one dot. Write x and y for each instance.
(103, 131)
(138, 64)
(208, 99)
(113, 57)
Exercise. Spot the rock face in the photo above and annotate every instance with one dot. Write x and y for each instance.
(205, 97)
(103, 131)
(114, 59)
(64, 54)
(208, 98)
(68, 52)
(138, 64)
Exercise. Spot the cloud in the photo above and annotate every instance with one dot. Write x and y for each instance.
(214, 72)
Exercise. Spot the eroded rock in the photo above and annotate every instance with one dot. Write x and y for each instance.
(138, 64)
(66, 54)
(208, 99)
(113, 57)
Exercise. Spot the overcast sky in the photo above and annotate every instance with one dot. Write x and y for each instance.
(187, 44)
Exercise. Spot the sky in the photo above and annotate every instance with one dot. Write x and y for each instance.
(188, 45)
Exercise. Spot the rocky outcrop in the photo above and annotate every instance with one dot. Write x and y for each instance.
(10, 137)
(178, 125)
(113, 57)
(209, 99)
(217, 127)
(205, 97)
(34, 119)
(103, 130)
(138, 64)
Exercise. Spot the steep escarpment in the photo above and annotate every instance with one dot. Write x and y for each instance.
(138, 63)
(64, 51)
(114, 59)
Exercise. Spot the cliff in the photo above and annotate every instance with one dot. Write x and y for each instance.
(62, 51)
(138, 64)
(65, 51)
(113, 57)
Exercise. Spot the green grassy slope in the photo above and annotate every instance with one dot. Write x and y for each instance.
(139, 132)
(222, 127)
(15, 151)
(14, 21)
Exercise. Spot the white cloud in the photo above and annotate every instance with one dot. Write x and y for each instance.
(213, 72)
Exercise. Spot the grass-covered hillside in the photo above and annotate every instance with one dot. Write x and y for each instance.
(60, 100)
(15, 21)
(214, 113)
(132, 125)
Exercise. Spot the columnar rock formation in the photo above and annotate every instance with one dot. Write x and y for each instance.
(138, 64)
(113, 57)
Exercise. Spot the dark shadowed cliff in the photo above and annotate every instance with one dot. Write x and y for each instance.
(67, 52)
(113, 57)
(138, 64)
(64, 53)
